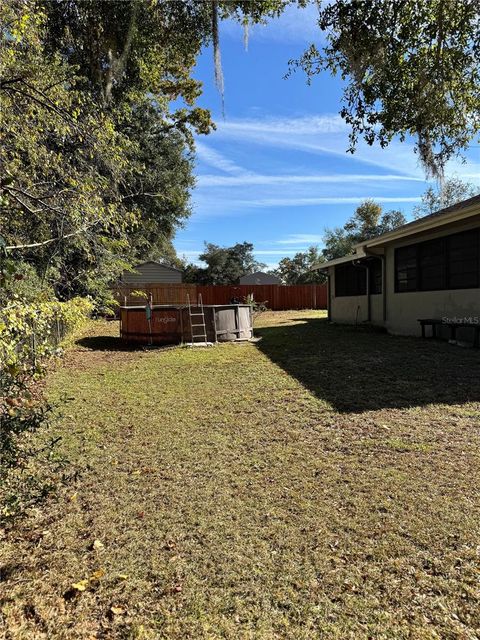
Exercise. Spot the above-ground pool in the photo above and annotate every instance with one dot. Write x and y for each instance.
(172, 324)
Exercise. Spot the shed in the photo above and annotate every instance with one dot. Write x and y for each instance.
(260, 277)
(152, 273)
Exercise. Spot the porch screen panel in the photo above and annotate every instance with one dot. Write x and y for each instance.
(350, 280)
(463, 260)
(449, 262)
(375, 272)
(432, 261)
(406, 268)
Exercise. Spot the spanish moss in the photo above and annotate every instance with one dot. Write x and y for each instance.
(216, 54)
(245, 34)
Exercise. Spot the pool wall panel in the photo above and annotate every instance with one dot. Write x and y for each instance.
(171, 324)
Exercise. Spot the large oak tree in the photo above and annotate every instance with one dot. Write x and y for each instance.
(410, 68)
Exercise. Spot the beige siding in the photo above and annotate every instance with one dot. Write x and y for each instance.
(404, 309)
(354, 309)
(152, 273)
(376, 306)
(347, 309)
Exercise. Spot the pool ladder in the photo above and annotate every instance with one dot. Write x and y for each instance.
(199, 336)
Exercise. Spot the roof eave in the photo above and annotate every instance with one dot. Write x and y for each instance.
(159, 264)
(323, 266)
(420, 226)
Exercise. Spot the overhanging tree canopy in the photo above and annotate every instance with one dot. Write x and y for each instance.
(411, 68)
(98, 166)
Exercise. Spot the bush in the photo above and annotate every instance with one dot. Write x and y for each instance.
(29, 335)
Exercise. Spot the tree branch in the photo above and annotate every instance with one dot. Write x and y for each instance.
(44, 243)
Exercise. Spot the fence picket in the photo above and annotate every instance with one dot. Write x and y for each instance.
(277, 297)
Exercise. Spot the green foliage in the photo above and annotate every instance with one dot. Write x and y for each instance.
(256, 307)
(134, 60)
(29, 335)
(31, 332)
(368, 221)
(410, 69)
(19, 280)
(97, 165)
(225, 265)
(158, 184)
(60, 209)
(25, 463)
(298, 270)
(452, 191)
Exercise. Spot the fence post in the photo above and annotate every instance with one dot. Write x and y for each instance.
(34, 344)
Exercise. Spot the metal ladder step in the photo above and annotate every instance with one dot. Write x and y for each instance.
(201, 337)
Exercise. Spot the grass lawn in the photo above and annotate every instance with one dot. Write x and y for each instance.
(323, 483)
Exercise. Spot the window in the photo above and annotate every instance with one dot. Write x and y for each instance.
(350, 280)
(375, 274)
(431, 265)
(406, 269)
(451, 262)
(463, 260)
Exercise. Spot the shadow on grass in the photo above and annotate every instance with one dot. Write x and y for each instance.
(107, 343)
(115, 343)
(358, 369)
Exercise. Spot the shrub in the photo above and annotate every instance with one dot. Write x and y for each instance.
(29, 335)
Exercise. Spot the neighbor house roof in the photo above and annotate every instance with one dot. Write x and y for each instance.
(160, 264)
(455, 212)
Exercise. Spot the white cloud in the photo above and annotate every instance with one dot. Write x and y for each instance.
(207, 180)
(193, 255)
(294, 25)
(304, 125)
(237, 190)
(325, 135)
(301, 238)
(217, 160)
(308, 202)
(234, 205)
(328, 135)
(277, 252)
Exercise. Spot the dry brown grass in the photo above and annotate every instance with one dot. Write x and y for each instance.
(321, 484)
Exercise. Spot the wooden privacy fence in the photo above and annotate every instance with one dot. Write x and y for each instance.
(277, 297)
(161, 293)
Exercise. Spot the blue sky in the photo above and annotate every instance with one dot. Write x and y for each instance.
(276, 172)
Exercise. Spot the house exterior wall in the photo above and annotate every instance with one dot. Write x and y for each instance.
(376, 309)
(151, 272)
(404, 309)
(354, 309)
(259, 278)
(346, 309)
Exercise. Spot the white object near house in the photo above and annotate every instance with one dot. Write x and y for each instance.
(152, 273)
(260, 277)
